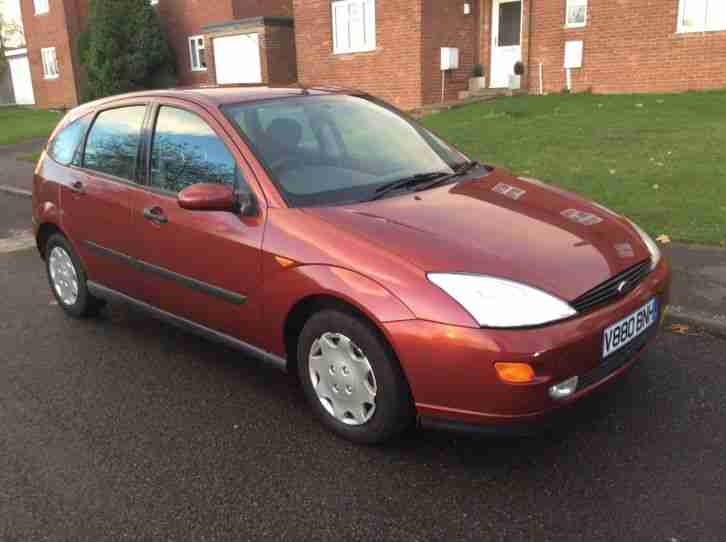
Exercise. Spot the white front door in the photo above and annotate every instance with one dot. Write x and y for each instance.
(22, 80)
(237, 59)
(506, 40)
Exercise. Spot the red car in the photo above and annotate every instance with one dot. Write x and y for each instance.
(328, 233)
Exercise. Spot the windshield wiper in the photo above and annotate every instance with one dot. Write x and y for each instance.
(459, 171)
(413, 180)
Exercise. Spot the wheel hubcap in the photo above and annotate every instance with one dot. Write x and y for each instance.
(343, 379)
(63, 275)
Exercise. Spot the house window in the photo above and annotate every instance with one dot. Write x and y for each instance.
(153, 2)
(701, 15)
(354, 26)
(50, 62)
(576, 13)
(197, 54)
(41, 6)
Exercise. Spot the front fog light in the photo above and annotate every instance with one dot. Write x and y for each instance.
(564, 389)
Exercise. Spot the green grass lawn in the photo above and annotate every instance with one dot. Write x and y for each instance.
(20, 123)
(659, 159)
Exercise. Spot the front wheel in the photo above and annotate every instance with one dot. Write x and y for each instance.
(68, 279)
(352, 379)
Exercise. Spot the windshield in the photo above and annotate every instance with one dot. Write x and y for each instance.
(327, 150)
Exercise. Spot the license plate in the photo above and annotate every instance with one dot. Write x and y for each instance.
(622, 332)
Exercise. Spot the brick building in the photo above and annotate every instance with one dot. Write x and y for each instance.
(225, 41)
(392, 48)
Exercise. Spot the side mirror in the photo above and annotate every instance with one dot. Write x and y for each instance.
(208, 197)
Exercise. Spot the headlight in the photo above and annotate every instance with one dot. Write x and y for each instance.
(655, 254)
(495, 302)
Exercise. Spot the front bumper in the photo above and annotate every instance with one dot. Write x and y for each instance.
(451, 369)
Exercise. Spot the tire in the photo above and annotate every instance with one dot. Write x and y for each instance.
(67, 279)
(346, 346)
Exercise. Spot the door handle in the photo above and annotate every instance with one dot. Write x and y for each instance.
(156, 215)
(78, 188)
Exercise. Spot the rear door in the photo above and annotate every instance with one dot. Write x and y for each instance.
(98, 197)
(201, 265)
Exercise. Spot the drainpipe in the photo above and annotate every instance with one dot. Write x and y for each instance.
(529, 41)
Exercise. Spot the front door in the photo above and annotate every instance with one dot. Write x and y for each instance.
(237, 59)
(506, 40)
(200, 265)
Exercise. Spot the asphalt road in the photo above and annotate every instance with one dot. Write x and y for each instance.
(122, 428)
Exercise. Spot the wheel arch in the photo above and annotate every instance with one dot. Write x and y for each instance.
(45, 231)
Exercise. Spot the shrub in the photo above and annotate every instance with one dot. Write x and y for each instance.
(123, 49)
(519, 68)
(477, 70)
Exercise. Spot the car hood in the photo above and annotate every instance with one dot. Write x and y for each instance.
(499, 225)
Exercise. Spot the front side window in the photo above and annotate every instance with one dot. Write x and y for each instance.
(186, 151)
(327, 150)
(197, 53)
(50, 62)
(41, 6)
(66, 144)
(354, 26)
(701, 15)
(576, 13)
(112, 145)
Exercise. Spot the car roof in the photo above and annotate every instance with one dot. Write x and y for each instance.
(216, 95)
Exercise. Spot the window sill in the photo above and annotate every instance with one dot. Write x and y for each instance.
(354, 52)
(699, 32)
(199, 69)
(38, 14)
(50, 77)
(580, 25)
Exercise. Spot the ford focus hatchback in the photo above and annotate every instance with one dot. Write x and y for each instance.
(329, 234)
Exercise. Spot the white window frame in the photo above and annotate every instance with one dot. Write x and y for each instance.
(368, 8)
(49, 58)
(41, 6)
(705, 27)
(153, 2)
(195, 47)
(569, 5)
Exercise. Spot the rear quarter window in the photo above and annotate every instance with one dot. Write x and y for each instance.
(113, 143)
(66, 144)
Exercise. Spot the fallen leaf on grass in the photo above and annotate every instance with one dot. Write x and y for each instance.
(681, 329)
(613, 171)
(656, 187)
(663, 239)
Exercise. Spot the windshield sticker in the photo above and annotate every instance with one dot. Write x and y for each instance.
(581, 217)
(509, 191)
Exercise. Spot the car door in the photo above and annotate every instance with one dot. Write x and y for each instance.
(98, 196)
(201, 265)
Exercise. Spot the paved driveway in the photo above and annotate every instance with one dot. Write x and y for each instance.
(18, 173)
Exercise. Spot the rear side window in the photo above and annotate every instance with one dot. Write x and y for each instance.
(185, 151)
(113, 142)
(65, 145)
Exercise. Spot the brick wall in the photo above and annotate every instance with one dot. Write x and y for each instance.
(50, 30)
(630, 46)
(280, 54)
(445, 25)
(262, 8)
(185, 18)
(392, 71)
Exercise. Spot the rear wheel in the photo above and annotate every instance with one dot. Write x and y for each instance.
(67, 279)
(352, 379)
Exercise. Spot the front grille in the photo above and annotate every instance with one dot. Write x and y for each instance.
(610, 289)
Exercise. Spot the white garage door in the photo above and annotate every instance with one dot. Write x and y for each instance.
(22, 81)
(237, 59)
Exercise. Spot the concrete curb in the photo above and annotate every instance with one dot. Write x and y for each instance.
(714, 324)
(16, 191)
